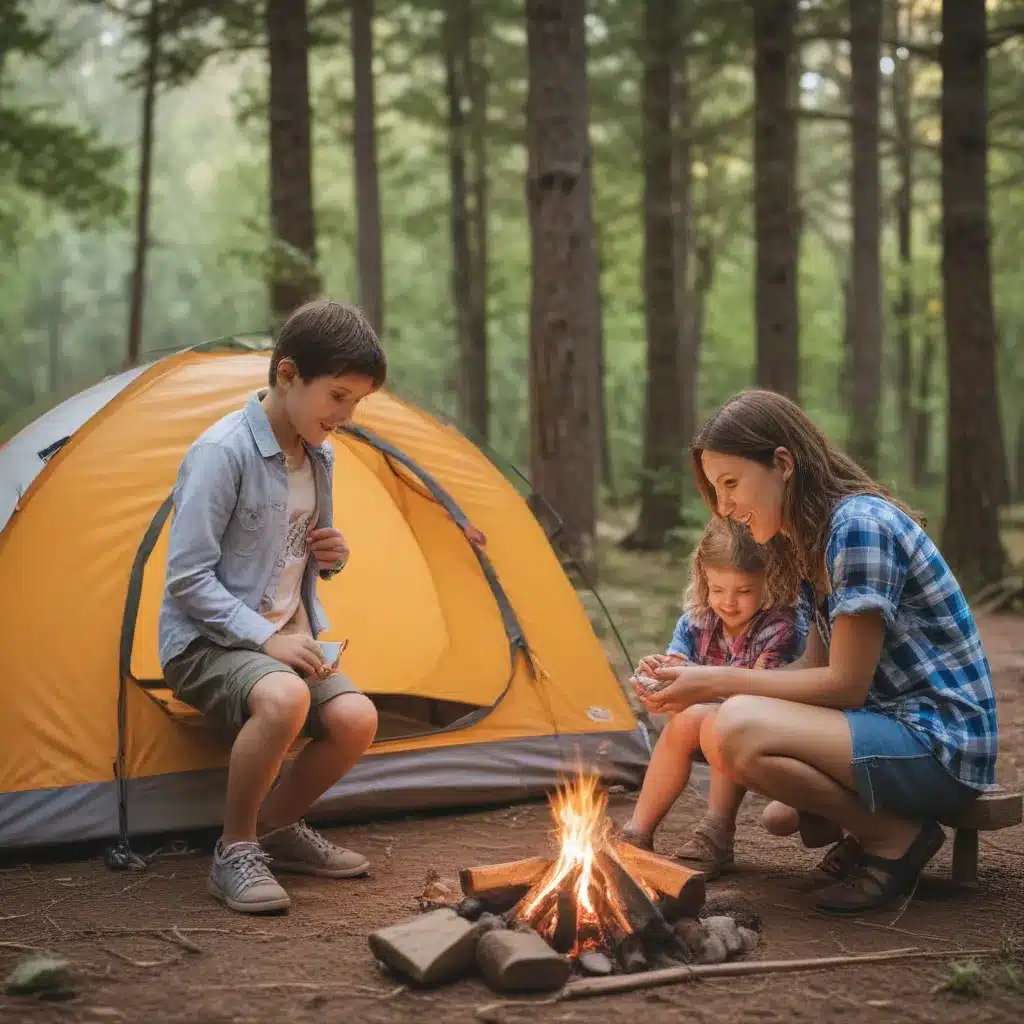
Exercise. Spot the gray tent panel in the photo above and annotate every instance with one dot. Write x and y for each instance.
(439, 778)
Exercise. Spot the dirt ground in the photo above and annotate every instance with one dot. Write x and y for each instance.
(314, 964)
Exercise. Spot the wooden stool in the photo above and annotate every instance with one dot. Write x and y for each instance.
(991, 811)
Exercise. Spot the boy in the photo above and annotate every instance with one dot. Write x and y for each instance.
(251, 533)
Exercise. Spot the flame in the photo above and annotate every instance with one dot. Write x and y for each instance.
(578, 808)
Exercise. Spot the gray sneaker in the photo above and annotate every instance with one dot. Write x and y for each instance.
(302, 850)
(241, 880)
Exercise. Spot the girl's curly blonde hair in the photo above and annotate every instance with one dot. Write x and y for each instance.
(727, 545)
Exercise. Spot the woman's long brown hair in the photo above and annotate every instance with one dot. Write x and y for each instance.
(753, 424)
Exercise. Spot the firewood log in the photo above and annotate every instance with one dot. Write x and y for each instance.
(643, 916)
(684, 885)
(489, 878)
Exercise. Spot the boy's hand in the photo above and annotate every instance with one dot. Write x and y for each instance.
(298, 651)
(328, 547)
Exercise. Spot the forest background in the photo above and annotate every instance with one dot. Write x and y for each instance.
(578, 226)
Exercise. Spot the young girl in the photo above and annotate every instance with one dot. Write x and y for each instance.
(887, 722)
(736, 614)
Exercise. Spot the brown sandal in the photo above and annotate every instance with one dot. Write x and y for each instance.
(836, 866)
(704, 854)
(879, 882)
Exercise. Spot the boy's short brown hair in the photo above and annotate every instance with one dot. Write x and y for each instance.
(325, 338)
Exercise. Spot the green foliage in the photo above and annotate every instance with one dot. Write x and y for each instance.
(69, 118)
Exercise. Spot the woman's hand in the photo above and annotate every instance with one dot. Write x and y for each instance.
(683, 686)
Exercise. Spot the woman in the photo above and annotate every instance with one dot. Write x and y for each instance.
(887, 721)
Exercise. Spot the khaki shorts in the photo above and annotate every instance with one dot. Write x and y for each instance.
(217, 681)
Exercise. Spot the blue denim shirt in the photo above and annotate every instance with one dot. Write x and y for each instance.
(228, 534)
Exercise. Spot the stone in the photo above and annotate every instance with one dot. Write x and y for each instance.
(520, 961)
(690, 934)
(631, 954)
(732, 903)
(748, 938)
(46, 976)
(488, 923)
(594, 962)
(713, 951)
(435, 947)
(725, 928)
(470, 908)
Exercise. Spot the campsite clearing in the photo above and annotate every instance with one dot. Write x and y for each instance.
(314, 964)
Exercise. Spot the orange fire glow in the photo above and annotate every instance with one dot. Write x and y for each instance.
(578, 808)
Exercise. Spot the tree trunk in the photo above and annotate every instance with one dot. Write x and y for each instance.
(903, 91)
(475, 41)
(866, 270)
(370, 261)
(468, 391)
(921, 432)
(294, 277)
(690, 287)
(605, 466)
(563, 335)
(1018, 476)
(776, 209)
(138, 286)
(976, 468)
(55, 313)
(661, 484)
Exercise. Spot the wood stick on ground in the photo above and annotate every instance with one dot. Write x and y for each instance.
(175, 936)
(141, 963)
(24, 947)
(683, 884)
(700, 972)
(487, 878)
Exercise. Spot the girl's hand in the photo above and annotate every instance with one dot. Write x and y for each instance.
(650, 664)
(684, 685)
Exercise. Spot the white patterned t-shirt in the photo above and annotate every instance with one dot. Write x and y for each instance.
(302, 513)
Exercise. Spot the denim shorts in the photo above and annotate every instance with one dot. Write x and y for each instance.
(896, 771)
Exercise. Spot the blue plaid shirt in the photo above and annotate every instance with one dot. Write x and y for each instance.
(932, 674)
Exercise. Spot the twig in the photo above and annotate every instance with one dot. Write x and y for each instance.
(175, 936)
(488, 1008)
(22, 946)
(158, 931)
(669, 975)
(901, 931)
(17, 917)
(140, 963)
(303, 986)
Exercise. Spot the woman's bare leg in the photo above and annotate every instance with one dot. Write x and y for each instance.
(801, 755)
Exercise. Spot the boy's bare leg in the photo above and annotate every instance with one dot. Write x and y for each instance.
(668, 772)
(278, 705)
(350, 723)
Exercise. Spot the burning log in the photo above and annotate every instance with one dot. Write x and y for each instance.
(643, 916)
(490, 879)
(564, 936)
(684, 886)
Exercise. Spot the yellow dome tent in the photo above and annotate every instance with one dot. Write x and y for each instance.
(486, 672)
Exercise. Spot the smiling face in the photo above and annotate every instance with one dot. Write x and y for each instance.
(735, 596)
(318, 407)
(749, 492)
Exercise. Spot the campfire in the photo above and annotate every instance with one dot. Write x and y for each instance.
(597, 905)
(587, 899)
